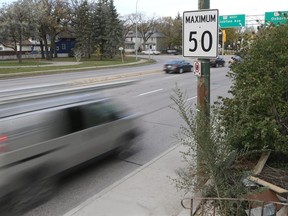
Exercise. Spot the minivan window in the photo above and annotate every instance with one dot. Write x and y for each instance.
(75, 119)
(91, 115)
(99, 113)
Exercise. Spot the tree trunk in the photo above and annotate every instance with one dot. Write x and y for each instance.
(44, 39)
(42, 49)
(53, 52)
(46, 48)
(20, 53)
(16, 50)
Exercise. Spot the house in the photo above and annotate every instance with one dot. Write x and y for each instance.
(26, 47)
(65, 43)
(154, 42)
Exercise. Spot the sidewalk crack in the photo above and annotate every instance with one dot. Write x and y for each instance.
(131, 162)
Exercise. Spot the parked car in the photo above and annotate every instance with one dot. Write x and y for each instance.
(44, 134)
(235, 58)
(216, 62)
(151, 52)
(173, 51)
(177, 66)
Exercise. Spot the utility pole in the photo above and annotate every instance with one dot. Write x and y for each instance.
(136, 30)
(203, 87)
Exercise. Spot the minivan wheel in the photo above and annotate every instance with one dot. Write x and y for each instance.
(181, 70)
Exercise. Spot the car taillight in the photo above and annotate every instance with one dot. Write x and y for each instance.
(3, 139)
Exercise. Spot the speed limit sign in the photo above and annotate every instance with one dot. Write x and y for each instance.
(200, 33)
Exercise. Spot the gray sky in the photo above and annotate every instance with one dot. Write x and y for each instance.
(226, 7)
(172, 7)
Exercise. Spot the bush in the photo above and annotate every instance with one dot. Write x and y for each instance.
(256, 116)
(207, 154)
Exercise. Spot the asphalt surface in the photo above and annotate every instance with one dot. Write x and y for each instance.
(150, 96)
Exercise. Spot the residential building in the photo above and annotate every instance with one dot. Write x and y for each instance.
(132, 42)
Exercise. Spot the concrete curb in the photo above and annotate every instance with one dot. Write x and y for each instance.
(103, 192)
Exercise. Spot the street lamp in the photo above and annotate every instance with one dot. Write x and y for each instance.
(136, 48)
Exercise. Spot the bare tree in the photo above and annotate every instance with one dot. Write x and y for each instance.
(147, 26)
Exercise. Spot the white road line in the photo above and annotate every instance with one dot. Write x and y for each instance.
(191, 98)
(170, 77)
(150, 92)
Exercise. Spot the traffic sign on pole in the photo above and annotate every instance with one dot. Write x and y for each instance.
(232, 21)
(200, 33)
(276, 17)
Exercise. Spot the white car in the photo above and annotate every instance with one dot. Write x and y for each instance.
(150, 52)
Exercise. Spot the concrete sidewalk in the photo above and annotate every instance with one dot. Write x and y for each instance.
(147, 191)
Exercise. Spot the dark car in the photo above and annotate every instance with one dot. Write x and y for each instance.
(178, 66)
(173, 51)
(216, 62)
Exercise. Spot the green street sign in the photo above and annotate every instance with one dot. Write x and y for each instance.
(232, 21)
(276, 17)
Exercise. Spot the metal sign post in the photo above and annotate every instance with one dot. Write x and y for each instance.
(200, 39)
(121, 50)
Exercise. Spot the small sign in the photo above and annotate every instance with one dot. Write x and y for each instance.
(197, 68)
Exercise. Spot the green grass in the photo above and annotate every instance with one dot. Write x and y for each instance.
(35, 65)
(24, 63)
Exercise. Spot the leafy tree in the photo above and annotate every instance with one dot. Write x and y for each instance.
(99, 26)
(107, 28)
(58, 20)
(178, 31)
(17, 24)
(114, 31)
(166, 27)
(232, 35)
(81, 26)
(256, 116)
(53, 21)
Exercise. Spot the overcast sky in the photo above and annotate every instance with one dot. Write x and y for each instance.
(172, 7)
(226, 7)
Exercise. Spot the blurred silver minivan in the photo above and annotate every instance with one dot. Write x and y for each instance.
(42, 136)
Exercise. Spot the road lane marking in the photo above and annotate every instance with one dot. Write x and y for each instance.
(170, 77)
(150, 92)
(191, 98)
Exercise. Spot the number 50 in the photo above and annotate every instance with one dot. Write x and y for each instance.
(203, 46)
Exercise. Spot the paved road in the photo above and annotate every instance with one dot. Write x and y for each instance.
(151, 97)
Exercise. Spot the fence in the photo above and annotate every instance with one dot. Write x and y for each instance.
(233, 207)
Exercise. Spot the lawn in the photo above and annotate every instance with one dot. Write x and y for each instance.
(37, 65)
